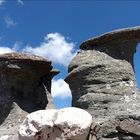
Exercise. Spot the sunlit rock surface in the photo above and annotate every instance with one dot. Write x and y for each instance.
(64, 124)
(101, 78)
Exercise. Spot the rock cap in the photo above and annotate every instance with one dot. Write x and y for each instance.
(41, 64)
(120, 35)
(22, 57)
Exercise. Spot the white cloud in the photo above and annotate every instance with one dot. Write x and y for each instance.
(20, 2)
(58, 50)
(55, 47)
(1, 2)
(9, 22)
(15, 48)
(5, 50)
(60, 89)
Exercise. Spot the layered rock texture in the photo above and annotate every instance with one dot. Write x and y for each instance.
(25, 86)
(101, 78)
(64, 124)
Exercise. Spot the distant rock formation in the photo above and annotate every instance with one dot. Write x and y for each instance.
(101, 78)
(25, 86)
(64, 124)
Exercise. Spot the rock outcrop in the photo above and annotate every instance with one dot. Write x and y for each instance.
(64, 124)
(25, 86)
(101, 78)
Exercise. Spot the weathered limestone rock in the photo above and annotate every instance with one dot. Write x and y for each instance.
(101, 78)
(25, 86)
(68, 123)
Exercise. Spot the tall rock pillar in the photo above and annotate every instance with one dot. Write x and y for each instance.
(101, 76)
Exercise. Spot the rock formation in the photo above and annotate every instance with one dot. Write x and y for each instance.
(25, 86)
(101, 78)
(64, 124)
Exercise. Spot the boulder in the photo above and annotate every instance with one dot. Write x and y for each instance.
(68, 123)
(25, 86)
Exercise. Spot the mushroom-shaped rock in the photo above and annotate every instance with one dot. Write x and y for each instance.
(25, 86)
(68, 123)
(101, 76)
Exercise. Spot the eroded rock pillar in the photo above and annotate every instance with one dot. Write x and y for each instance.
(25, 86)
(101, 76)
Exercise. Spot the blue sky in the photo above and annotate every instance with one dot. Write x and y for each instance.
(55, 29)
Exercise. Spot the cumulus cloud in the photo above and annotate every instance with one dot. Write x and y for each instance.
(58, 50)
(5, 50)
(55, 47)
(60, 89)
(1, 2)
(15, 48)
(9, 22)
(20, 2)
